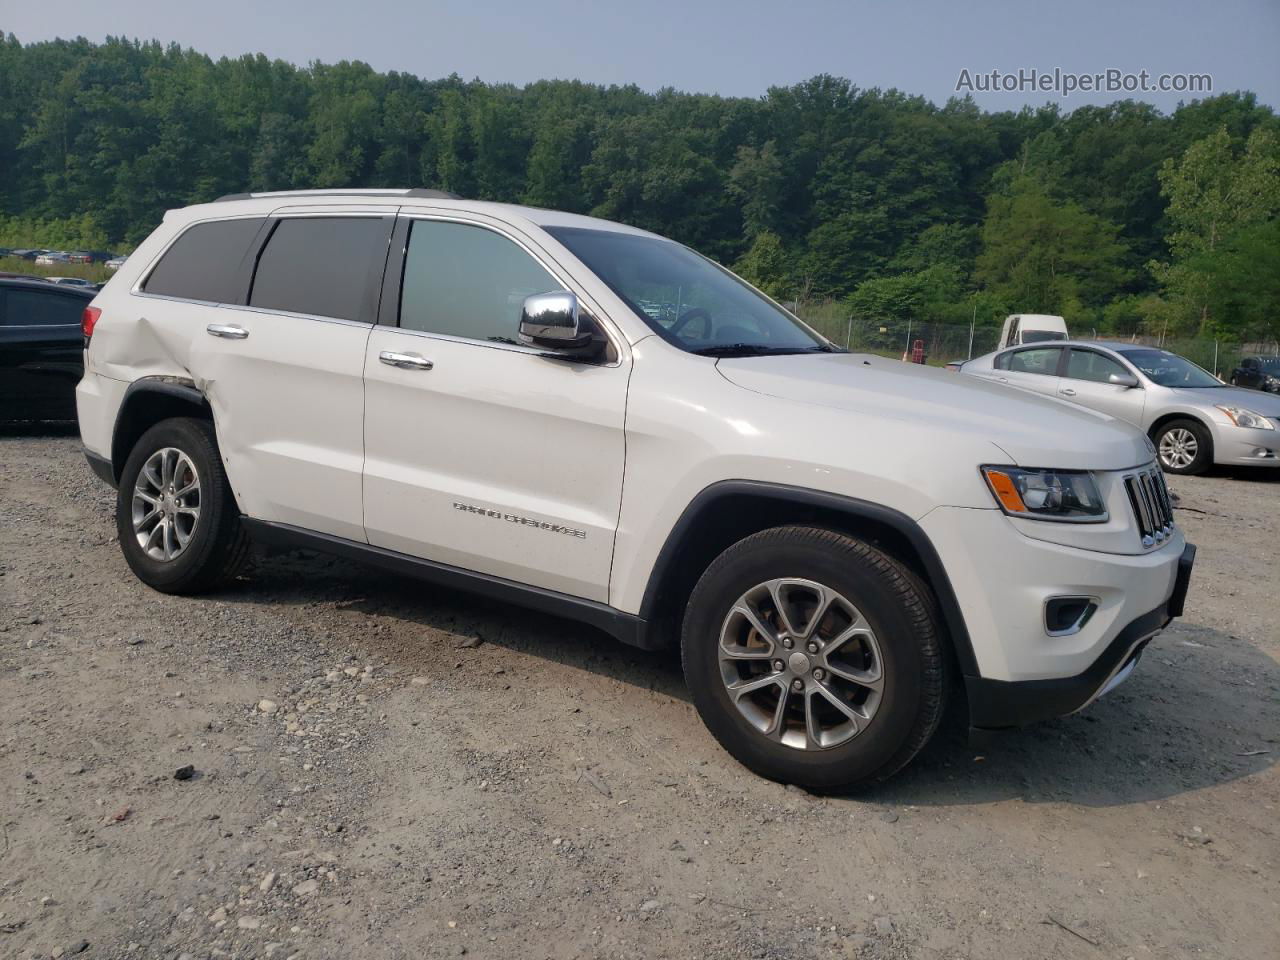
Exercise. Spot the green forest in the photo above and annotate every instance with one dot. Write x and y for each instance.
(1121, 218)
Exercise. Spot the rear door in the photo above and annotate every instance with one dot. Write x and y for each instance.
(1087, 381)
(41, 351)
(283, 370)
(482, 453)
(1032, 368)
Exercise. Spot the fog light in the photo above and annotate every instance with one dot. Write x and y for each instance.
(1064, 616)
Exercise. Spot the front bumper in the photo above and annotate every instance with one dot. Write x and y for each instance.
(1246, 446)
(1003, 703)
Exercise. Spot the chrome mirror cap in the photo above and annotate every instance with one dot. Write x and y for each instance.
(551, 320)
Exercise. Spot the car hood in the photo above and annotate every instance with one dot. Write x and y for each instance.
(1266, 404)
(1034, 431)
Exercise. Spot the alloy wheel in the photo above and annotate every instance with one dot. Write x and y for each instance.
(801, 664)
(1178, 448)
(166, 504)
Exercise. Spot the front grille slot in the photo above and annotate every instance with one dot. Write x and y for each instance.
(1149, 497)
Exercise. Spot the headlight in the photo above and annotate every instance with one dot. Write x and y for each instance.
(1070, 495)
(1246, 418)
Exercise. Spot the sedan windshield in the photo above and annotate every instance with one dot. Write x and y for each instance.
(688, 300)
(1170, 370)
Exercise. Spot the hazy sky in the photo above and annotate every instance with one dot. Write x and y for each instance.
(737, 48)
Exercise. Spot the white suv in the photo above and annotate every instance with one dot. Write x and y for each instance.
(592, 420)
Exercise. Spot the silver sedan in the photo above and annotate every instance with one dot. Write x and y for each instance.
(1192, 417)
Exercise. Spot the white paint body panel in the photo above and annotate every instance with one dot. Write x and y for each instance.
(530, 438)
(318, 433)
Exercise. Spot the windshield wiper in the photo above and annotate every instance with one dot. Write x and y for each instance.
(751, 350)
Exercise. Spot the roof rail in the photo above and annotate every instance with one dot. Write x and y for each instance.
(418, 192)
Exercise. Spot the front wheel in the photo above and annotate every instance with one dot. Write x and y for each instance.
(176, 516)
(814, 658)
(1184, 446)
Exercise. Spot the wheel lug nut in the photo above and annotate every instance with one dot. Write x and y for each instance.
(797, 685)
(813, 648)
(819, 674)
(788, 642)
(779, 666)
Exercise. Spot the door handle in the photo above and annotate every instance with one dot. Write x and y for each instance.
(405, 361)
(1067, 392)
(227, 331)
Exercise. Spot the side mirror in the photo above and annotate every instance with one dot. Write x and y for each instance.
(1126, 380)
(551, 320)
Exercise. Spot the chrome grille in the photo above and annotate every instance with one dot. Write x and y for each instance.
(1149, 497)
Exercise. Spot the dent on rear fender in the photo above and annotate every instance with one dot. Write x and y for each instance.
(142, 349)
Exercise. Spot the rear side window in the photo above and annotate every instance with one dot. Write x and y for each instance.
(204, 263)
(1042, 360)
(467, 281)
(36, 308)
(320, 266)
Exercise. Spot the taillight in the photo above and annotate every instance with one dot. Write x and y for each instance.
(88, 320)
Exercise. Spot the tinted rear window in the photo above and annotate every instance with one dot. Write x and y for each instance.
(40, 308)
(204, 263)
(320, 266)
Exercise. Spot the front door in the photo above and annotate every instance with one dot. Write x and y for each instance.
(481, 453)
(1087, 381)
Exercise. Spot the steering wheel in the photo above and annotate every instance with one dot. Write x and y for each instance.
(693, 313)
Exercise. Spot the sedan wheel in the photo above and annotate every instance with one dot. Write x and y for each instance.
(1178, 448)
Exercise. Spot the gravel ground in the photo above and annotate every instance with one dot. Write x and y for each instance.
(375, 768)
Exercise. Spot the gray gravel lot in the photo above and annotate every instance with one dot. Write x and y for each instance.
(383, 769)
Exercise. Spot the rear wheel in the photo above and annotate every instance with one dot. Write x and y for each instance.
(176, 516)
(1184, 446)
(814, 658)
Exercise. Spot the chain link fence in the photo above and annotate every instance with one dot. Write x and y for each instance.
(942, 343)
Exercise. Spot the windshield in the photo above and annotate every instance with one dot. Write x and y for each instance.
(686, 299)
(1269, 364)
(1170, 370)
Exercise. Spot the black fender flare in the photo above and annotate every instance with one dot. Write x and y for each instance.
(935, 573)
(173, 388)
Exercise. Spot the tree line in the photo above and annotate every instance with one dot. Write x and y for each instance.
(1119, 217)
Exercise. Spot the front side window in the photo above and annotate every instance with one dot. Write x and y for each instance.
(320, 266)
(1089, 365)
(36, 308)
(1041, 360)
(467, 281)
(204, 262)
(685, 298)
(1170, 370)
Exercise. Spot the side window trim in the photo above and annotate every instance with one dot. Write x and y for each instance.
(249, 258)
(371, 294)
(393, 285)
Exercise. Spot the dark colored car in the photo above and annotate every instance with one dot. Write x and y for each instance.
(41, 349)
(1258, 373)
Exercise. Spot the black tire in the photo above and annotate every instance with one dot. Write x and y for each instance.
(1203, 459)
(218, 544)
(900, 610)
